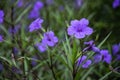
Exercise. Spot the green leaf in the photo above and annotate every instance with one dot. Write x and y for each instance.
(105, 76)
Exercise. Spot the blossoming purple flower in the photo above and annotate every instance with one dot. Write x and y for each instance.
(42, 47)
(1, 38)
(116, 3)
(50, 39)
(79, 28)
(1, 16)
(91, 46)
(82, 61)
(35, 25)
(106, 56)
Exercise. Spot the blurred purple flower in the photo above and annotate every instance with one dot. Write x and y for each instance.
(16, 70)
(116, 3)
(91, 46)
(87, 64)
(35, 25)
(82, 61)
(49, 2)
(15, 30)
(1, 38)
(20, 3)
(38, 5)
(115, 49)
(50, 39)
(34, 63)
(61, 8)
(34, 14)
(1, 67)
(106, 56)
(1, 16)
(78, 3)
(79, 28)
(97, 58)
(41, 47)
(15, 51)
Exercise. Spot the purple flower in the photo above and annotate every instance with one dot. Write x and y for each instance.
(20, 3)
(79, 28)
(115, 49)
(91, 46)
(16, 70)
(42, 47)
(34, 14)
(35, 25)
(106, 56)
(49, 2)
(1, 38)
(50, 39)
(78, 3)
(87, 64)
(116, 3)
(38, 5)
(82, 61)
(14, 30)
(1, 67)
(1, 16)
(97, 58)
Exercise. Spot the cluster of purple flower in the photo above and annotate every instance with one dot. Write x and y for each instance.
(49, 39)
(116, 51)
(116, 3)
(1, 16)
(79, 29)
(34, 13)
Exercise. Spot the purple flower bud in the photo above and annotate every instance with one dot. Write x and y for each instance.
(78, 3)
(91, 46)
(35, 25)
(1, 16)
(79, 28)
